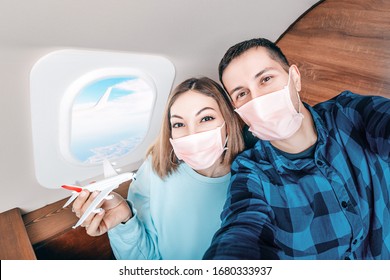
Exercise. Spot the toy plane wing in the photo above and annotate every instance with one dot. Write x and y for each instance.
(111, 181)
(109, 171)
(93, 207)
(72, 197)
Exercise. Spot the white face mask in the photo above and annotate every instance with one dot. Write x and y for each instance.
(200, 150)
(272, 116)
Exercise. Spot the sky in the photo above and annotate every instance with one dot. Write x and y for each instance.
(111, 128)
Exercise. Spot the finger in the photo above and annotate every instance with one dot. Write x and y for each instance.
(97, 226)
(79, 202)
(85, 206)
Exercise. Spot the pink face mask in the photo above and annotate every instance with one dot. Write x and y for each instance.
(272, 116)
(200, 150)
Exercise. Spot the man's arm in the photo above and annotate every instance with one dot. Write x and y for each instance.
(246, 231)
(371, 116)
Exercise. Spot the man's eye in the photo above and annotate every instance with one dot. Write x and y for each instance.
(266, 79)
(241, 95)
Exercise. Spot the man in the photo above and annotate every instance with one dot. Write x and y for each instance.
(316, 184)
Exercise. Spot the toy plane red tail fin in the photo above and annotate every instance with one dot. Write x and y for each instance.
(72, 188)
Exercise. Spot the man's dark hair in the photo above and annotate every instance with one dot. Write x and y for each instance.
(273, 50)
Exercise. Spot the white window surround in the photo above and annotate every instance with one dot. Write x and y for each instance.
(55, 80)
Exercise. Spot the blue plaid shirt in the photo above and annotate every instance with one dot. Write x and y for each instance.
(333, 206)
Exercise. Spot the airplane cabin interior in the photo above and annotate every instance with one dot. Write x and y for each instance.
(337, 44)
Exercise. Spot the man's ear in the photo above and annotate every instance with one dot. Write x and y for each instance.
(296, 76)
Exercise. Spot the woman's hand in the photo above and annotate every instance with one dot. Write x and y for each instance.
(113, 212)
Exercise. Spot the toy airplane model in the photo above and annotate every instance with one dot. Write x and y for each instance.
(112, 181)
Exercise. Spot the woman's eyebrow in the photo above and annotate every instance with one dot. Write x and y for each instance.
(176, 116)
(197, 114)
(205, 108)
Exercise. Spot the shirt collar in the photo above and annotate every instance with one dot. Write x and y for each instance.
(279, 161)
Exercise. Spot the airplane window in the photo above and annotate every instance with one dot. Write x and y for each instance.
(110, 118)
(91, 105)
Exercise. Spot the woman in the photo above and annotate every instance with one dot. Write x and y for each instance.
(173, 207)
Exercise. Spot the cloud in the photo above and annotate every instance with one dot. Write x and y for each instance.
(112, 151)
(130, 112)
(137, 85)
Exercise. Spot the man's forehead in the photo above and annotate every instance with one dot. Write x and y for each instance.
(253, 58)
(248, 66)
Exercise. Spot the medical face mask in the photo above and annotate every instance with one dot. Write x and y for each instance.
(272, 116)
(200, 150)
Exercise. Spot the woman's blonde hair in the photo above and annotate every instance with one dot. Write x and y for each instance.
(164, 160)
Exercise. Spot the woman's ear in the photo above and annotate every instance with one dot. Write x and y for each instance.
(295, 77)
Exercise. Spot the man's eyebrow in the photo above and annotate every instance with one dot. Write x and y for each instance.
(263, 71)
(234, 90)
(255, 77)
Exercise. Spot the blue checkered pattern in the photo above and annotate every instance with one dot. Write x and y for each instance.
(335, 206)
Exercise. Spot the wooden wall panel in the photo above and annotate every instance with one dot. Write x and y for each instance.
(341, 45)
(14, 241)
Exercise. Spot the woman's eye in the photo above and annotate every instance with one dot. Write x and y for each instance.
(207, 118)
(177, 125)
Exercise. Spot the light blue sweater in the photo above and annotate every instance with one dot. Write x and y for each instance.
(173, 219)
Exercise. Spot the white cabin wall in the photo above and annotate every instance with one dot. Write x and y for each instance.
(192, 34)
